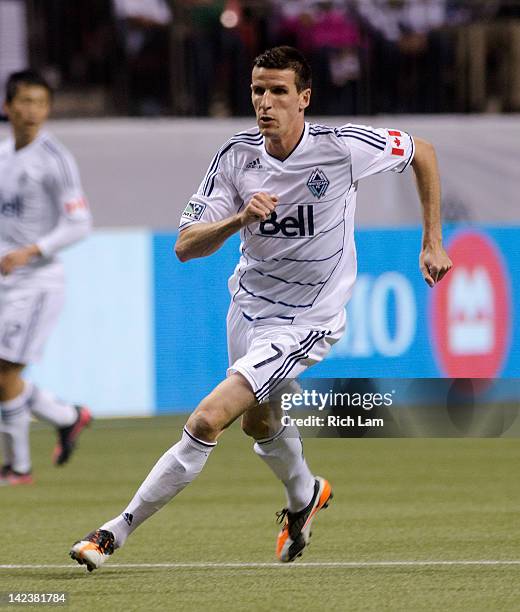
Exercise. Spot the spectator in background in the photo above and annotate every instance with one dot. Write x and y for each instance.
(13, 39)
(204, 51)
(293, 22)
(335, 40)
(143, 30)
(406, 54)
(489, 57)
(330, 35)
(245, 33)
(223, 38)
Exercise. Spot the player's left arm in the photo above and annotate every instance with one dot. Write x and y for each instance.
(433, 259)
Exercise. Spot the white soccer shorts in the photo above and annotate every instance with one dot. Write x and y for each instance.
(27, 316)
(266, 354)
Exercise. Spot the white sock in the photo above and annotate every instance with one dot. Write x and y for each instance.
(283, 453)
(47, 407)
(179, 465)
(6, 446)
(16, 419)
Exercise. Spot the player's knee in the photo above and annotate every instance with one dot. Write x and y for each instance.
(256, 427)
(8, 373)
(205, 423)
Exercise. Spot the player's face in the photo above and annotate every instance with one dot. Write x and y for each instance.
(28, 110)
(278, 105)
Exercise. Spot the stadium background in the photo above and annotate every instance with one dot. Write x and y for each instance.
(150, 331)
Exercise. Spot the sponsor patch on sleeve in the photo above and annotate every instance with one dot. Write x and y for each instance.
(76, 208)
(194, 211)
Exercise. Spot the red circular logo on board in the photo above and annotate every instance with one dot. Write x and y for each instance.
(471, 312)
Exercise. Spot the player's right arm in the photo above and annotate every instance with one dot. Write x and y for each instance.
(202, 239)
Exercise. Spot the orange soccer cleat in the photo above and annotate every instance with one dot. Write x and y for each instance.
(296, 532)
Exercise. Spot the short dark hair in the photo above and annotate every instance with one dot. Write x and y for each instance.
(24, 77)
(287, 58)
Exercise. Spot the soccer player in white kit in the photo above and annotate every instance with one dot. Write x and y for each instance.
(42, 210)
(289, 187)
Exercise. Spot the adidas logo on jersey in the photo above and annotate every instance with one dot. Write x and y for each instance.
(254, 165)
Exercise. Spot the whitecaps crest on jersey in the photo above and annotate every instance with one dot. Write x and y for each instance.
(318, 183)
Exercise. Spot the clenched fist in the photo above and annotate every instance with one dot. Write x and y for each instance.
(259, 208)
(434, 263)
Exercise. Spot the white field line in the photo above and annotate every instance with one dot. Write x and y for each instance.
(245, 565)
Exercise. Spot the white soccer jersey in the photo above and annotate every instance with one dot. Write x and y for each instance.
(299, 266)
(42, 202)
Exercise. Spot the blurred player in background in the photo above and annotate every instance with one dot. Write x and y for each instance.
(42, 210)
(289, 187)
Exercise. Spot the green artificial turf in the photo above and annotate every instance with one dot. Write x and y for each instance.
(395, 500)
